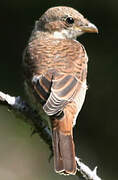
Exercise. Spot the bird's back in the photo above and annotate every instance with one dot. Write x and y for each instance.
(62, 55)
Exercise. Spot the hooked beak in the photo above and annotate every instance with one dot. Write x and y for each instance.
(89, 27)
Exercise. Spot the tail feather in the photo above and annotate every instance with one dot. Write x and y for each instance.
(64, 153)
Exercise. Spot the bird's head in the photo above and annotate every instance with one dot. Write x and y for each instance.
(64, 22)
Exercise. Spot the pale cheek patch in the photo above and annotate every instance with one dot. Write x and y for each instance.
(67, 34)
(58, 35)
(64, 34)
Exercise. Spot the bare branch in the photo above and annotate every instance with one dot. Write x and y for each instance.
(40, 127)
(31, 116)
(86, 171)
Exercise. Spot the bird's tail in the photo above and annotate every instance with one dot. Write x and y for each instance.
(64, 149)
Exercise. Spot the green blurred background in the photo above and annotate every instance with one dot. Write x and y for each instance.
(96, 135)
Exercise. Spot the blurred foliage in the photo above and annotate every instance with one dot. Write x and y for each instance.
(96, 131)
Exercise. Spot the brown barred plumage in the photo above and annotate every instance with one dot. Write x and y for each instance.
(55, 71)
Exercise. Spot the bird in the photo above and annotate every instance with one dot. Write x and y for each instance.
(55, 73)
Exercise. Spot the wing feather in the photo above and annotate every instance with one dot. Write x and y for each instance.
(62, 92)
(56, 92)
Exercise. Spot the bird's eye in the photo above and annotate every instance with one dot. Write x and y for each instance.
(69, 20)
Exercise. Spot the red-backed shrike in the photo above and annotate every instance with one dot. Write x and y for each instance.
(55, 76)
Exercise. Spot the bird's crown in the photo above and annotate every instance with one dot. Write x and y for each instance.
(64, 22)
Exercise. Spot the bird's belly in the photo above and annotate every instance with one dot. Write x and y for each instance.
(79, 100)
